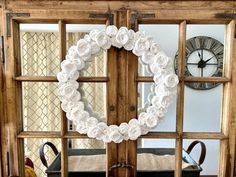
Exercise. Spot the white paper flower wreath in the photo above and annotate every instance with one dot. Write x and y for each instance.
(149, 54)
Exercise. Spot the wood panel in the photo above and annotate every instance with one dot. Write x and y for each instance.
(118, 5)
(112, 101)
(189, 79)
(64, 145)
(54, 79)
(180, 100)
(232, 126)
(225, 159)
(132, 67)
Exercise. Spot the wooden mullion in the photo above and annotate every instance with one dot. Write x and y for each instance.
(180, 100)
(207, 135)
(38, 134)
(224, 167)
(163, 135)
(112, 111)
(132, 91)
(232, 126)
(64, 147)
(189, 79)
(54, 79)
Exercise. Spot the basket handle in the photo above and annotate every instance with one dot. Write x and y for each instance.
(203, 150)
(42, 155)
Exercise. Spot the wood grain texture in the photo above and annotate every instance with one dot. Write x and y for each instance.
(120, 5)
(112, 101)
(189, 79)
(225, 168)
(180, 100)
(54, 79)
(64, 145)
(232, 123)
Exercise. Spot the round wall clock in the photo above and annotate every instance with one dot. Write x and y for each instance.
(204, 58)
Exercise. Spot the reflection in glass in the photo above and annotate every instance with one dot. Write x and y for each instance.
(94, 96)
(145, 94)
(86, 156)
(31, 151)
(39, 49)
(210, 164)
(202, 109)
(166, 35)
(98, 64)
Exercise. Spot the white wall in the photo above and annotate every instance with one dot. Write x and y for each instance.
(202, 108)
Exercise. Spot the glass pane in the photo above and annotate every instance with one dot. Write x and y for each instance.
(98, 64)
(86, 157)
(205, 50)
(31, 150)
(41, 106)
(166, 35)
(94, 95)
(39, 49)
(153, 155)
(210, 164)
(145, 94)
(202, 109)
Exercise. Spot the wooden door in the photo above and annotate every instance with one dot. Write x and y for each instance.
(122, 80)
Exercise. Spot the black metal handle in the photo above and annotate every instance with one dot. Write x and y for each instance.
(42, 155)
(203, 150)
(119, 165)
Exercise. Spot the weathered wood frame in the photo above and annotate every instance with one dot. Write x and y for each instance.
(188, 12)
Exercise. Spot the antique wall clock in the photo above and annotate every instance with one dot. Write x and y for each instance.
(204, 58)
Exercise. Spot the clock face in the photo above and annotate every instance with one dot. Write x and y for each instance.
(204, 58)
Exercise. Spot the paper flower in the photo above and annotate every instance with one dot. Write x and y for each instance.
(134, 132)
(161, 59)
(62, 76)
(122, 36)
(84, 48)
(148, 57)
(155, 48)
(111, 30)
(171, 80)
(141, 46)
(103, 40)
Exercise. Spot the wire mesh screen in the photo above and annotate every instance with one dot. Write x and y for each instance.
(40, 53)
(31, 150)
(41, 106)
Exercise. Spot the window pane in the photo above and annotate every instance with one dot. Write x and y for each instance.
(31, 150)
(210, 164)
(39, 49)
(98, 64)
(205, 50)
(86, 157)
(94, 95)
(153, 155)
(166, 35)
(145, 94)
(202, 109)
(41, 106)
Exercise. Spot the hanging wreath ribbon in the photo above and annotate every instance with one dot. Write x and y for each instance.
(149, 54)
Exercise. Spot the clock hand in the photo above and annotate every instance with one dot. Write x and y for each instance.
(209, 59)
(199, 55)
(202, 54)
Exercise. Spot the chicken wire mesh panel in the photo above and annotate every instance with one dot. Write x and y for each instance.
(41, 106)
(31, 150)
(40, 53)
